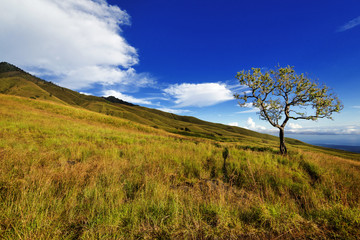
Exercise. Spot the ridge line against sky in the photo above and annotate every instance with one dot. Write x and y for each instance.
(182, 56)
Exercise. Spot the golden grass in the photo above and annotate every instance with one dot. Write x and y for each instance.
(68, 173)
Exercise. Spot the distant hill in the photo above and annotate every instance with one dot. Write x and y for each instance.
(355, 149)
(116, 100)
(7, 67)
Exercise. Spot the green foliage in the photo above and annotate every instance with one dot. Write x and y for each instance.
(282, 95)
(275, 92)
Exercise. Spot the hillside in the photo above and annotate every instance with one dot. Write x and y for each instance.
(14, 81)
(70, 173)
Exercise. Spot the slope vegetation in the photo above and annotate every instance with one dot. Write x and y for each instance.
(14, 81)
(70, 173)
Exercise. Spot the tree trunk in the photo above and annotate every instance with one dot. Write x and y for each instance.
(283, 149)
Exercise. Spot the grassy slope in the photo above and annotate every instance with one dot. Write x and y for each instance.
(14, 81)
(71, 173)
(14, 85)
(155, 118)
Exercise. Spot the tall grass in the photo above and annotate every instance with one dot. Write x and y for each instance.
(67, 173)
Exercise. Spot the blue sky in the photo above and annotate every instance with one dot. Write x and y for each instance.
(182, 56)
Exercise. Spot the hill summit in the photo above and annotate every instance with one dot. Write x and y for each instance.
(7, 67)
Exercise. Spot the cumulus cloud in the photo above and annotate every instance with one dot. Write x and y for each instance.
(249, 105)
(77, 42)
(199, 95)
(333, 130)
(85, 93)
(106, 76)
(349, 25)
(234, 124)
(250, 124)
(125, 97)
(175, 111)
(294, 126)
(291, 127)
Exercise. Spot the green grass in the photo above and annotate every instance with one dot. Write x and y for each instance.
(70, 173)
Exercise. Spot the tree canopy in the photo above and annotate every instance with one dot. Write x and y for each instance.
(281, 95)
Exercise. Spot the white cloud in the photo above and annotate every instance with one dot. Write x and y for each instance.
(175, 111)
(248, 105)
(126, 98)
(237, 87)
(294, 126)
(250, 124)
(105, 75)
(78, 41)
(357, 107)
(251, 109)
(234, 124)
(349, 25)
(199, 95)
(329, 130)
(85, 93)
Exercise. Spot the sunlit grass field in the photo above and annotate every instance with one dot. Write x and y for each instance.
(69, 173)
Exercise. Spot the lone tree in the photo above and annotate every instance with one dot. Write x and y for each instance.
(282, 95)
